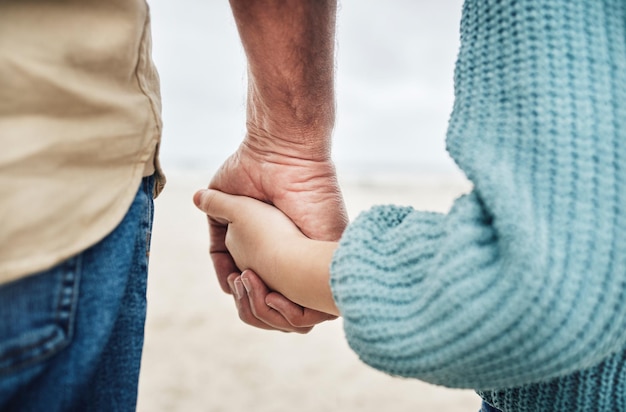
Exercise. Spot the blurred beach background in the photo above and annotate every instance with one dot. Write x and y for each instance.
(394, 84)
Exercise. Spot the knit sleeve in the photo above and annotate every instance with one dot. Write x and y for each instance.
(525, 278)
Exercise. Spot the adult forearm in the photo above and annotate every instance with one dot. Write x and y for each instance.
(290, 49)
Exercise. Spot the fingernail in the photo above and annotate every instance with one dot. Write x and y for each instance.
(233, 290)
(246, 284)
(239, 292)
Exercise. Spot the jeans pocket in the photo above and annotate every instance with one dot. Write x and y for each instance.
(37, 316)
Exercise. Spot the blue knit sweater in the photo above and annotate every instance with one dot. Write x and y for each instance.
(519, 292)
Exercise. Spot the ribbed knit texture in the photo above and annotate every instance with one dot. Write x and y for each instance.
(519, 291)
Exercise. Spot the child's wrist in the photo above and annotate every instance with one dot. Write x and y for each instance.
(306, 275)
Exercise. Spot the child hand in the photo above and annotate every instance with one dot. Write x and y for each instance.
(260, 237)
(258, 234)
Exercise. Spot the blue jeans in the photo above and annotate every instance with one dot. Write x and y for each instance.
(71, 337)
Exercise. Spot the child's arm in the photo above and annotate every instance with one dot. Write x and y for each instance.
(260, 237)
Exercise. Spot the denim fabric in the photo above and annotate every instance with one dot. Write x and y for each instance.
(71, 337)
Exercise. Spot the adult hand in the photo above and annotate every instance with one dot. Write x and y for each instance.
(285, 157)
(308, 193)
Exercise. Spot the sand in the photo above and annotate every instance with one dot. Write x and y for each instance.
(199, 356)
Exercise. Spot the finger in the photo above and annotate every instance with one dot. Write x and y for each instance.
(257, 292)
(223, 262)
(224, 265)
(215, 204)
(243, 305)
(296, 315)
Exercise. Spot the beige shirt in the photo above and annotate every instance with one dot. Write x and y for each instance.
(79, 125)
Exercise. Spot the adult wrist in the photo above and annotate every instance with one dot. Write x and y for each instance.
(290, 117)
(308, 143)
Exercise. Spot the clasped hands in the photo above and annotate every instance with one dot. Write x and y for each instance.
(283, 241)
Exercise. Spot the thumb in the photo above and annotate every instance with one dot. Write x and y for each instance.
(214, 203)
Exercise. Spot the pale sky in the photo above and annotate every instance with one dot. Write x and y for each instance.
(395, 63)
